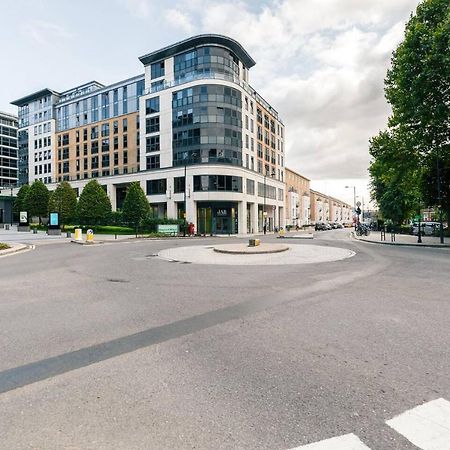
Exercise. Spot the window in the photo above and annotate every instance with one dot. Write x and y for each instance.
(125, 141)
(115, 127)
(153, 162)
(152, 125)
(157, 69)
(77, 136)
(217, 183)
(156, 187)
(94, 132)
(94, 162)
(116, 159)
(85, 134)
(105, 129)
(105, 160)
(94, 147)
(65, 139)
(125, 157)
(250, 187)
(152, 105)
(125, 125)
(105, 145)
(152, 144)
(65, 153)
(116, 142)
(179, 185)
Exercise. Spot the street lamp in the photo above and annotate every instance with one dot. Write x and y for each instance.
(264, 210)
(193, 155)
(354, 200)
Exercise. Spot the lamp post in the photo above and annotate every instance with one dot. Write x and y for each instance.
(11, 186)
(354, 201)
(193, 155)
(264, 210)
(438, 176)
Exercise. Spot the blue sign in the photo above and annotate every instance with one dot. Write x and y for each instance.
(54, 219)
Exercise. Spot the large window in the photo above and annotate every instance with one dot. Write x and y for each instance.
(179, 185)
(217, 183)
(152, 105)
(157, 69)
(153, 162)
(156, 187)
(152, 125)
(152, 144)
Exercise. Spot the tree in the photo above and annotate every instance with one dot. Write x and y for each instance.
(63, 200)
(135, 206)
(395, 177)
(36, 201)
(417, 86)
(20, 201)
(94, 206)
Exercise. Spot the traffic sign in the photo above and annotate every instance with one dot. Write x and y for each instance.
(358, 204)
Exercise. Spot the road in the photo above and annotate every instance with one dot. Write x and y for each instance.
(109, 346)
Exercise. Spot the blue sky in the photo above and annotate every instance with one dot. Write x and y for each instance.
(320, 63)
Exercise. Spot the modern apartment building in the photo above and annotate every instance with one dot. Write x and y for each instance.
(190, 129)
(8, 150)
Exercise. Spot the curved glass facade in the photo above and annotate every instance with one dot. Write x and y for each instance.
(206, 60)
(207, 125)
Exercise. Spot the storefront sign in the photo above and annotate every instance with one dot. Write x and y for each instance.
(168, 229)
(222, 212)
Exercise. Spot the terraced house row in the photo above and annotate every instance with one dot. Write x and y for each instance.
(190, 129)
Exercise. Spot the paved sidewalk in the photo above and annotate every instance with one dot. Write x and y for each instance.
(403, 239)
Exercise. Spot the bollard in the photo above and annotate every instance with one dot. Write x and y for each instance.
(78, 234)
(89, 236)
(34, 230)
(68, 234)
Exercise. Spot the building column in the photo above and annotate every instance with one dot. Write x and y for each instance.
(242, 217)
(254, 217)
(111, 191)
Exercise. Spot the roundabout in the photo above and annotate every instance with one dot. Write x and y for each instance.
(263, 255)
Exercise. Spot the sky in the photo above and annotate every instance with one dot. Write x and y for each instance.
(319, 63)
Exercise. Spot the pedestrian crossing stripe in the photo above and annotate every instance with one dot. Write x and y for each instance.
(345, 442)
(426, 426)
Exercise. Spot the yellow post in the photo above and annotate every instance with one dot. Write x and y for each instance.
(89, 236)
(78, 235)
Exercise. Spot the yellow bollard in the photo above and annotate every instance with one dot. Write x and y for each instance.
(281, 232)
(78, 235)
(89, 236)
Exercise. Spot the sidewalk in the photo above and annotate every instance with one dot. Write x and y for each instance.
(403, 239)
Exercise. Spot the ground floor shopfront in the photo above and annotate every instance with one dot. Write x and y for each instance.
(216, 199)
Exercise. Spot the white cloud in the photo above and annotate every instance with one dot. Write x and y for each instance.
(178, 20)
(44, 33)
(141, 9)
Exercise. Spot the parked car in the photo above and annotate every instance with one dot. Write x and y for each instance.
(427, 228)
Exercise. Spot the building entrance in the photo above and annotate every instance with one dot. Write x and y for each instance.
(217, 218)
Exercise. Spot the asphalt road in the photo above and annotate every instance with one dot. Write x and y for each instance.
(110, 347)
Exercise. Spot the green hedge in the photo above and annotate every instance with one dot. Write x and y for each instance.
(3, 246)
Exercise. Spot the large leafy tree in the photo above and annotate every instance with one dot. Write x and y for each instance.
(418, 89)
(135, 206)
(94, 206)
(64, 201)
(36, 201)
(20, 201)
(395, 176)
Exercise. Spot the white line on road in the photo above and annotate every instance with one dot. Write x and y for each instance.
(344, 442)
(426, 426)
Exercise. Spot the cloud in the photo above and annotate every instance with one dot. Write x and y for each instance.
(44, 33)
(321, 64)
(178, 20)
(141, 9)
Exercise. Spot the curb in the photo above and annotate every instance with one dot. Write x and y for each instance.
(404, 244)
(14, 248)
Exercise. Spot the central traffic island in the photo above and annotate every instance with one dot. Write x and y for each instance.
(248, 249)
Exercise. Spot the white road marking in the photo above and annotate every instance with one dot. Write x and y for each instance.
(426, 426)
(344, 442)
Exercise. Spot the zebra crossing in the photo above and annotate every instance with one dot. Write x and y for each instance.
(426, 426)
